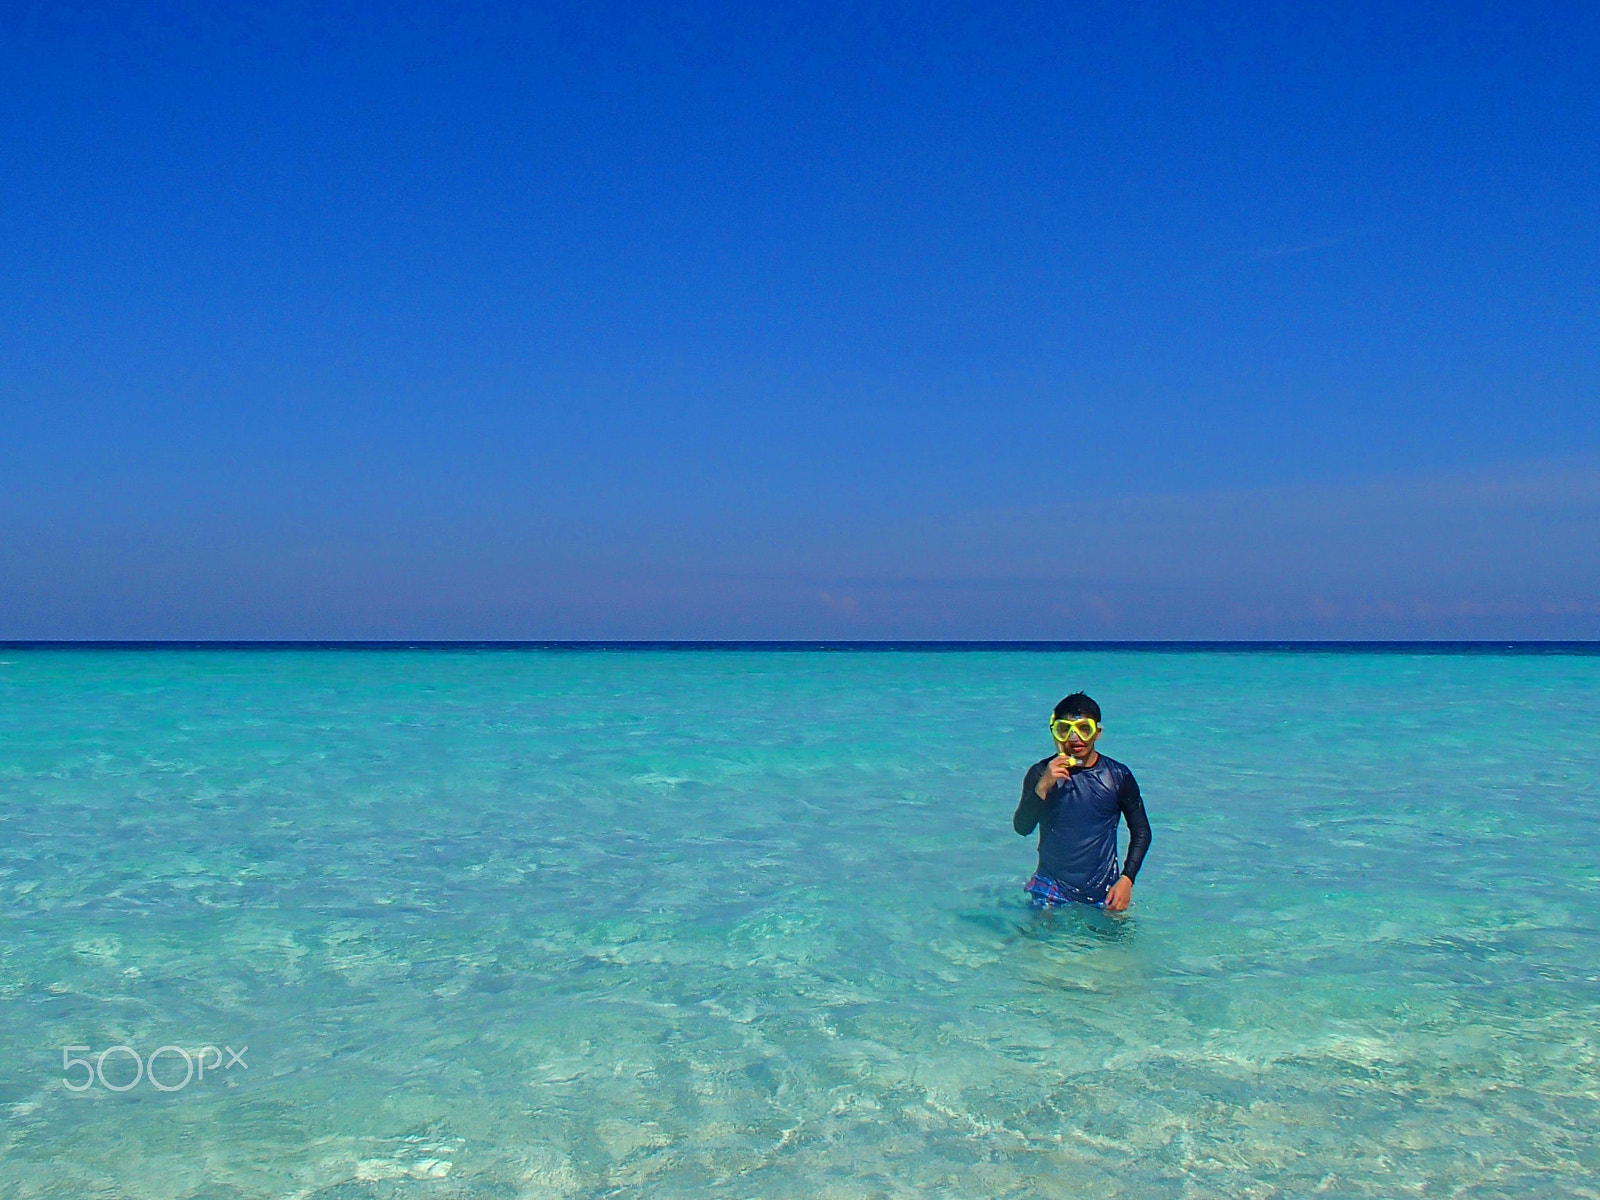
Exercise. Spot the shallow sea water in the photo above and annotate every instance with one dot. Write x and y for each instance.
(749, 924)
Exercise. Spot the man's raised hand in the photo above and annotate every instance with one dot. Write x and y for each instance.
(1056, 772)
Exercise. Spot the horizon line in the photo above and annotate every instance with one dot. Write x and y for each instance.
(1415, 645)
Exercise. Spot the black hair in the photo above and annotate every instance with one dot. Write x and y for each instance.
(1077, 705)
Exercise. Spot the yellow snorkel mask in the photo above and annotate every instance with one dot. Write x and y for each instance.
(1062, 728)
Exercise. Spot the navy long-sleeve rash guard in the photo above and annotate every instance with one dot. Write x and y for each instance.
(1077, 825)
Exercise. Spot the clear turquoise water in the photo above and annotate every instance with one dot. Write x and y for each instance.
(538, 924)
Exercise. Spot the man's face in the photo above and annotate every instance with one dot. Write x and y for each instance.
(1076, 735)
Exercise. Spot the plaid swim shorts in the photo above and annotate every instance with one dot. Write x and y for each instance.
(1047, 893)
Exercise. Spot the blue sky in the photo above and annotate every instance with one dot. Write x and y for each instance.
(825, 321)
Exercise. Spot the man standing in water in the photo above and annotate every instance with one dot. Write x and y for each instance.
(1075, 798)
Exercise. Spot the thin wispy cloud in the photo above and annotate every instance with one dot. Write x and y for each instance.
(1294, 249)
